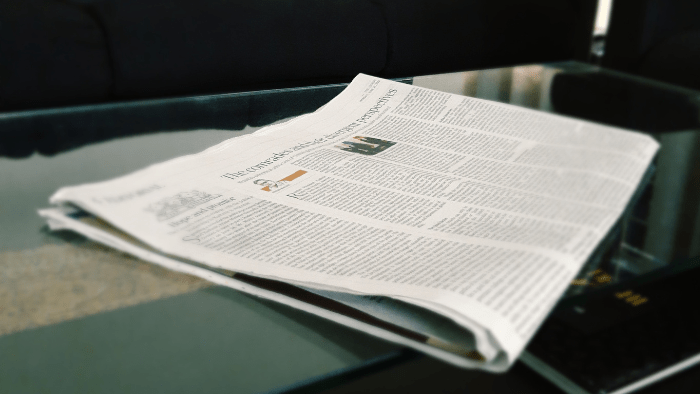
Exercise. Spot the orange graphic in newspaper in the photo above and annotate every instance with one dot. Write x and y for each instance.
(274, 186)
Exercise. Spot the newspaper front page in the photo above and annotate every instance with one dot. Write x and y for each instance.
(479, 211)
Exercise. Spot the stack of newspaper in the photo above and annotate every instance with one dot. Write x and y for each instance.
(441, 222)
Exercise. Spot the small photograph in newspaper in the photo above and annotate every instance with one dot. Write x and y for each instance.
(365, 145)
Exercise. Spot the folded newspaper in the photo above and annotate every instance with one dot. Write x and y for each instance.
(441, 222)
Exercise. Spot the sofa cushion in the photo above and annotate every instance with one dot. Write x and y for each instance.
(178, 47)
(51, 53)
(432, 36)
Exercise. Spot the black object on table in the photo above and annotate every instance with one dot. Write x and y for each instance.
(622, 336)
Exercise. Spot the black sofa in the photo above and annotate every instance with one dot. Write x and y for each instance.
(658, 39)
(57, 53)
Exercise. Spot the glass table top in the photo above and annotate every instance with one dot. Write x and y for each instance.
(77, 317)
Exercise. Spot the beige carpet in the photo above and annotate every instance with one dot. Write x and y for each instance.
(54, 283)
